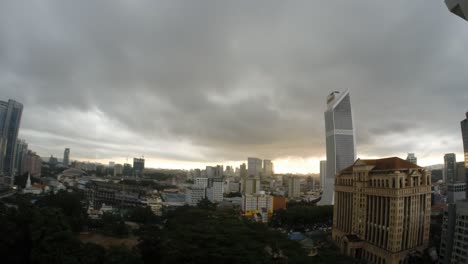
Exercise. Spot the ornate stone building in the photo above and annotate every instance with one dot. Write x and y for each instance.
(382, 210)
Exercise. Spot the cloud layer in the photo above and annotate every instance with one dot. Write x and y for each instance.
(211, 81)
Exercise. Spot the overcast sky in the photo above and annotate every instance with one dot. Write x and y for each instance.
(187, 83)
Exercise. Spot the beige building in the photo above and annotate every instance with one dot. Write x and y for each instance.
(382, 210)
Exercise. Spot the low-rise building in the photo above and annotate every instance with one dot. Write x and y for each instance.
(257, 205)
(195, 194)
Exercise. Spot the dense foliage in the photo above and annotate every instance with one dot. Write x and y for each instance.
(43, 235)
(302, 216)
(46, 232)
(206, 235)
(71, 206)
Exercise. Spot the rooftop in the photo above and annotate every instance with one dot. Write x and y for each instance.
(386, 164)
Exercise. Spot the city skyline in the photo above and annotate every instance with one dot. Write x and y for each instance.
(129, 93)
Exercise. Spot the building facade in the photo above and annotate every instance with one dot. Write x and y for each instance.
(452, 248)
(243, 171)
(201, 182)
(32, 164)
(254, 167)
(294, 187)
(138, 166)
(458, 7)
(118, 170)
(257, 205)
(21, 150)
(382, 210)
(464, 130)
(195, 194)
(215, 190)
(66, 157)
(450, 168)
(412, 158)
(456, 189)
(267, 168)
(251, 185)
(339, 139)
(10, 120)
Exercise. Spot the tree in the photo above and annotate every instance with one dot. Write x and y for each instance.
(52, 239)
(150, 243)
(122, 255)
(142, 215)
(114, 225)
(71, 206)
(206, 235)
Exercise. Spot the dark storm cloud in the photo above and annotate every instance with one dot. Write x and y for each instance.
(231, 79)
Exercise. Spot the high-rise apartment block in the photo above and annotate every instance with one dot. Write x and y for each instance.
(10, 120)
(267, 168)
(455, 223)
(202, 182)
(294, 187)
(215, 190)
(450, 168)
(456, 189)
(195, 194)
(382, 210)
(21, 150)
(412, 158)
(32, 164)
(461, 172)
(254, 167)
(251, 185)
(138, 166)
(214, 171)
(339, 140)
(464, 129)
(66, 157)
(118, 170)
(243, 171)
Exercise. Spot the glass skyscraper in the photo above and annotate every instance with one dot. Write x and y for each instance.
(66, 157)
(10, 119)
(339, 140)
(464, 129)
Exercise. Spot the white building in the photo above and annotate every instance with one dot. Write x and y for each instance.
(456, 192)
(194, 195)
(257, 205)
(294, 187)
(231, 187)
(215, 191)
(202, 182)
